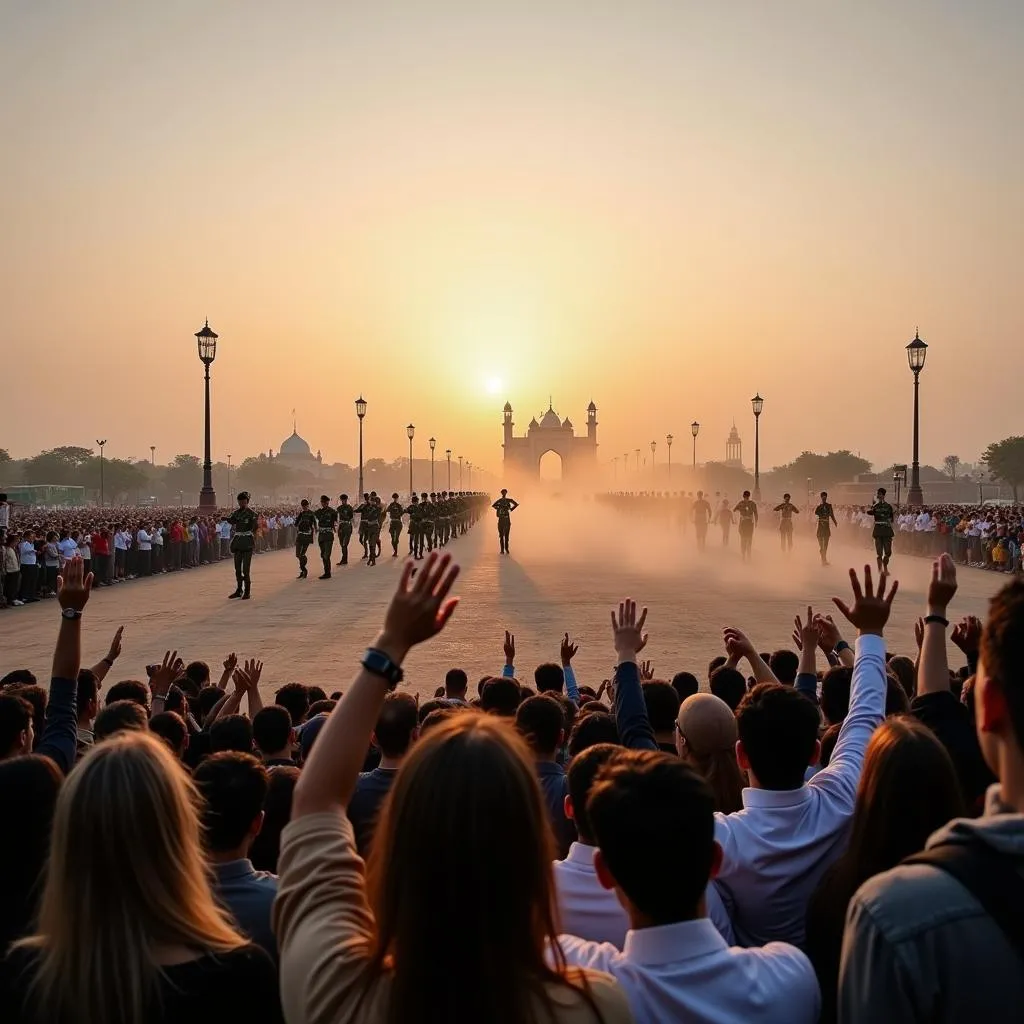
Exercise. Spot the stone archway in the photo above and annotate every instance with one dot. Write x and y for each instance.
(551, 466)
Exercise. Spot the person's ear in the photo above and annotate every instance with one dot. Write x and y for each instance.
(257, 825)
(567, 807)
(561, 739)
(604, 876)
(717, 856)
(741, 757)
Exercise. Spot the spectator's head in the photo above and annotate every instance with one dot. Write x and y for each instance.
(126, 821)
(653, 819)
(778, 736)
(128, 689)
(541, 723)
(835, 693)
(662, 707)
(37, 698)
(18, 677)
(207, 700)
(828, 744)
(231, 732)
(198, 673)
(277, 812)
(500, 697)
(316, 693)
(729, 685)
(706, 736)
(590, 729)
(784, 665)
(428, 707)
(120, 716)
(999, 683)
(896, 702)
(397, 725)
(715, 664)
(17, 734)
(685, 684)
(549, 678)
(308, 734)
(583, 769)
(456, 683)
(272, 732)
(87, 696)
(233, 786)
(295, 698)
(902, 668)
(439, 715)
(171, 728)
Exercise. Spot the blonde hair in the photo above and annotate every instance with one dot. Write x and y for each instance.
(126, 875)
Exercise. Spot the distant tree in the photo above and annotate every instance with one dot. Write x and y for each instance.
(183, 473)
(262, 475)
(5, 456)
(63, 466)
(1005, 461)
(824, 471)
(122, 478)
(950, 463)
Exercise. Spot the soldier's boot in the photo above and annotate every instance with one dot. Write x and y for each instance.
(248, 587)
(237, 593)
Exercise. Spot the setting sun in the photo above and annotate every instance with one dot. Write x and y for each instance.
(494, 385)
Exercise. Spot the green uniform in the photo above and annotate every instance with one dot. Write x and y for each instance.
(825, 516)
(371, 517)
(882, 531)
(326, 518)
(786, 510)
(346, 515)
(504, 507)
(243, 541)
(395, 512)
(305, 523)
(748, 517)
(361, 512)
(427, 517)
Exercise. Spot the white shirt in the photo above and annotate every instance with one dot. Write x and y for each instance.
(686, 972)
(224, 529)
(778, 847)
(157, 537)
(272, 523)
(67, 548)
(121, 541)
(84, 547)
(145, 541)
(586, 908)
(5, 515)
(28, 552)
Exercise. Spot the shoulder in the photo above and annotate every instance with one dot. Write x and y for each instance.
(605, 991)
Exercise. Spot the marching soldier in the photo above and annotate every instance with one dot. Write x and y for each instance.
(826, 518)
(243, 540)
(305, 521)
(882, 532)
(361, 509)
(701, 519)
(504, 506)
(786, 510)
(725, 520)
(747, 510)
(443, 519)
(426, 522)
(326, 519)
(395, 512)
(413, 512)
(372, 516)
(346, 513)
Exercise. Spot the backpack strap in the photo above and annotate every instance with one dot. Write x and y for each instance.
(992, 878)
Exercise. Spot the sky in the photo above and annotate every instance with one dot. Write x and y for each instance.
(663, 205)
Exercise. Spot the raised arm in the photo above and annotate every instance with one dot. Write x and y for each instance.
(635, 730)
(738, 645)
(933, 667)
(106, 663)
(509, 668)
(568, 652)
(807, 671)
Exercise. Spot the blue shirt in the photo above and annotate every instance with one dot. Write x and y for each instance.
(248, 894)
(364, 808)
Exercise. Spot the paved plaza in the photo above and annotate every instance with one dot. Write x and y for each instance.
(568, 566)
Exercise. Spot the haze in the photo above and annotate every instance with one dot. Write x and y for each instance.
(663, 206)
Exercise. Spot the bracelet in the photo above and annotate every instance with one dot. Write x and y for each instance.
(929, 619)
(108, 662)
(841, 646)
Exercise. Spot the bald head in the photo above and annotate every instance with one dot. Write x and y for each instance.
(707, 723)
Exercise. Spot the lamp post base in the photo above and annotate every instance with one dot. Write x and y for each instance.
(207, 500)
(915, 496)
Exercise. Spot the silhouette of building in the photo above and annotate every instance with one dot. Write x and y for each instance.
(734, 449)
(551, 434)
(296, 454)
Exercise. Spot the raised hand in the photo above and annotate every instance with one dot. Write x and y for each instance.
(828, 632)
(115, 645)
(510, 648)
(646, 671)
(871, 609)
(420, 607)
(248, 676)
(967, 635)
(628, 630)
(737, 643)
(568, 651)
(807, 630)
(942, 587)
(231, 663)
(919, 633)
(73, 586)
(165, 674)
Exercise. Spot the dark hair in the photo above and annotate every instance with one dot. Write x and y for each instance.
(828, 744)
(316, 693)
(903, 669)
(729, 685)
(177, 701)
(87, 688)
(231, 733)
(37, 698)
(170, 727)
(18, 676)
(583, 769)
(715, 664)
(541, 723)
(120, 716)
(835, 693)
(128, 689)
(784, 665)
(233, 786)
(198, 672)
(271, 729)
(500, 696)
(208, 699)
(685, 684)
(549, 678)
(778, 728)
(321, 707)
(434, 704)
(455, 681)
(662, 705)
(15, 716)
(295, 698)
(396, 724)
(653, 819)
(1002, 651)
(277, 811)
(896, 702)
(439, 715)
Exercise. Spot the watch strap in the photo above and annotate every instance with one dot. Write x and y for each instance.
(940, 619)
(379, 664)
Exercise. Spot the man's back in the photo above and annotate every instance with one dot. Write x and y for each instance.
(586, 908)
(364, 808)
(249, 895)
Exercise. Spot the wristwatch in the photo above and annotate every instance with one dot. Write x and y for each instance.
(379, 664)
(70, 613)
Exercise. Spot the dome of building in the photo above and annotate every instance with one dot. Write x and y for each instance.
(550, 420)
(567, 424)
(295, 445)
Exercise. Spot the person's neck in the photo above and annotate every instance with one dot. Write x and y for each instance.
(240, 852)
(284, 754)
(390, 764)
(666, 736)
(546, 757)
(456, 696)
(638, 921)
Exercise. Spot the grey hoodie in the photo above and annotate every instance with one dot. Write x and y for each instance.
(919, 947)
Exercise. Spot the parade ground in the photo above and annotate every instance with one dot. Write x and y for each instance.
(560, 576)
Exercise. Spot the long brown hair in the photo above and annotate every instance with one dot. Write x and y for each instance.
(126, 875)
(460, 882)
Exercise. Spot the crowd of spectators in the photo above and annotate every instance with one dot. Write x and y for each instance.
(826, 831)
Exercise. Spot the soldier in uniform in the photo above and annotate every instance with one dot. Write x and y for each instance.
(786, 510)
(724, 519)
(373, 510)
(701, 519)
(326, 519)
(305, 521)
(443, 520)
(747, 510)
(346, 513)
(426, 522)
(413, 512)
(395, 512)
(360, 510)
(504, 506)
(243, 540)
(826, 518)
(883, 514)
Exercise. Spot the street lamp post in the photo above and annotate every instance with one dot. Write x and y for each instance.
(410, 433)
(152, 455)
(668, 440)
(615, 469)
(206, 342)
(916, 352)
(229, 475)
(360, 412)
(448, 456)
(695, 430)
(638, 460)
(625, 464)
(101, 444)
(757, 403)
(654, 466)
(469, 475)
(433, 444)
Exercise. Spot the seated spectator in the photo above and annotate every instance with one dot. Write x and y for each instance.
(685, 684)
(277, 810)
(274, 736)
(653, 818)
(585, 907)
(500, 697)
(706, 739)
(592, 728)
(728, 684)
(784, 665)
(234, 787)
(121, 716)
(126, 876)
(465, 809)
(662, 707)
(540, 722)
(88, 707)
(17, 733)
(171, 728)
(128, 689)
(456, 683)
(231, 732)
(295, 698)
(395, 732)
